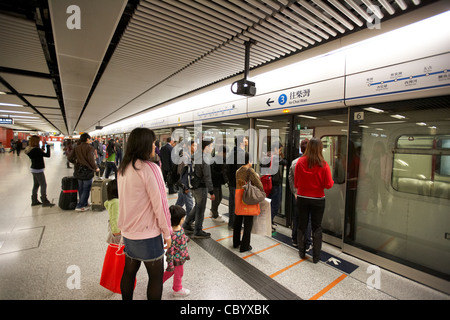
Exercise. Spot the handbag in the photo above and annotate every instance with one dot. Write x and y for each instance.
(242, 209)
(252, 194)
(81, 172)
(113, 266)
(266, 181)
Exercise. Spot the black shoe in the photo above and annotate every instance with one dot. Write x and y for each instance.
(243, 250)
(202, 235)
(188, 230)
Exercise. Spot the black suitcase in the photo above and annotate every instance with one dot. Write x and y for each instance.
(69, 193)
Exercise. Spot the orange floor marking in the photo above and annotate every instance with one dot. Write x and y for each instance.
(255, 253)
(328, 287)
(287, 268)
(219, 225)
(231, 236)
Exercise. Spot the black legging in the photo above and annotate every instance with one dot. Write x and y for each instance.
(155, 271)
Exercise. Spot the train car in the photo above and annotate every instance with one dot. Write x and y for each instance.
(381, 107)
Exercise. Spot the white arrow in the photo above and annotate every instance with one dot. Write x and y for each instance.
(335, 261)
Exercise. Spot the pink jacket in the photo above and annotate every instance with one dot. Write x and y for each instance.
(143, 207)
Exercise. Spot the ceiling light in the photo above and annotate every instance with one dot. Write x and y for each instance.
(421, 124)
(375, 110)
(1, 92)
(307, 117)
(398, 116)
(10, 104)
(9, 111)
(5, 115)
(336, 121)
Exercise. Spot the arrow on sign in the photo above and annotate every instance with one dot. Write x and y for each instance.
(335, 261)
(268, 102)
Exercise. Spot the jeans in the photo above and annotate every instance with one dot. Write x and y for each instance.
(39, 181)
(275, 195)
(84, 190)
(315, 208)
(231, 207)
(185, 199)
(198, 212)
(295, 226)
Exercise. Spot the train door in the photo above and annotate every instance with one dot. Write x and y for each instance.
(331, 127)
(399, 199)
(281, 196)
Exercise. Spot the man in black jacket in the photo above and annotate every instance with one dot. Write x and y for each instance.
(166, 163)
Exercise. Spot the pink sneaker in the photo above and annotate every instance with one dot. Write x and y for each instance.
(182, 293)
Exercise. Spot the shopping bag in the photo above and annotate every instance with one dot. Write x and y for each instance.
(262, 224)
(113, 268)
(242, 209)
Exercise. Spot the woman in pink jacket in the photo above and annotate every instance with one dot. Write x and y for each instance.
(312, 176)
(144, 217)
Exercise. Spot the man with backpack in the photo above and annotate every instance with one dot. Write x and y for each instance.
(184, 194)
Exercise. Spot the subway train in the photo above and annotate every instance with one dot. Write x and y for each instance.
(380, 102)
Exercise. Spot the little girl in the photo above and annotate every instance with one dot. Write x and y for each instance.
(177, 254)
(112, 205)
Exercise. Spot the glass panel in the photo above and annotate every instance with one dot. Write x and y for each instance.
(331, 127)
(264, 132)
(399, 197)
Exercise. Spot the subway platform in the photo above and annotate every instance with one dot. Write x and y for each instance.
(41, 247)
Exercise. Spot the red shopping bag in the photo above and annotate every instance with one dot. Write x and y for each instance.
(113, 268)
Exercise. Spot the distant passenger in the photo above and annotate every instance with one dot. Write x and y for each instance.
(19, 146)
(276, 154)
(291, 176)
(37, 155)
(184, 193)
(111, 159)
(83, 156)
(166, 163)
(219, 178)
(144, 214)
(178, 253)
(244, 174)
(68, 150)
(202, 172)
(312, 176)
(118, 147)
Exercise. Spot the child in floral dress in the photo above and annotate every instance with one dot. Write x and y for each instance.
(177, 254)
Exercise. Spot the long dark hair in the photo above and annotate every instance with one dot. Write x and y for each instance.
(314, 153)
(110, 147)
(139, 147)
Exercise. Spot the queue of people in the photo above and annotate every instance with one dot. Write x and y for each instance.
(145, 223)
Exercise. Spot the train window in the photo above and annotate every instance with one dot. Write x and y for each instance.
(334, 151)
(422, 165)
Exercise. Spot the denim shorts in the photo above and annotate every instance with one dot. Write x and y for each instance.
(144, 250)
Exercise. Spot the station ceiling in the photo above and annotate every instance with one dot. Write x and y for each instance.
(70, 68)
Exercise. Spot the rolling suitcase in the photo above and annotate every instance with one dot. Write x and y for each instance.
(69, 193)
(99, 193)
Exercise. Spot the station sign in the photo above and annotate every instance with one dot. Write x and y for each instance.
(313, 96)
(6, 121)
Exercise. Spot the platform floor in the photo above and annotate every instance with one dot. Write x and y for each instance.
(40, 246)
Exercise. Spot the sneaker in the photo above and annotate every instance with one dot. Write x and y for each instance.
(202, 235)
(85, 209)
(182, 293)
(79, 209)
(218, 219)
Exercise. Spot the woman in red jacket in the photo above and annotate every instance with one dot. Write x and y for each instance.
(312, 176)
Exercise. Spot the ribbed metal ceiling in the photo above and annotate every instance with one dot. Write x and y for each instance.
(169, 48)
